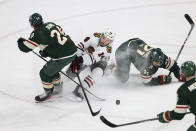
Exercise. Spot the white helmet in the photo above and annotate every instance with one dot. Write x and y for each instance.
(109, 34)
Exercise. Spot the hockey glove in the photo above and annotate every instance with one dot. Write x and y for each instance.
(22, 47)
(164, 117)
(76, 64)
(20, 40)
(176, 70)
(164, 79)
(192, 128)
(43, 53)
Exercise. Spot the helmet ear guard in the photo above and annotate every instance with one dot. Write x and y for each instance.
(35, 20)
(188, 68)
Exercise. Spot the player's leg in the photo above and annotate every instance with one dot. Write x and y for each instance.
(51, 78)
(121, 71)
(97, 71)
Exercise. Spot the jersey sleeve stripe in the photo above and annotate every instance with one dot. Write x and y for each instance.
(88, 79)
(32, 43)
(80, 46)
(146, 77)
(87, 83)
(181, 108)
(170, 64)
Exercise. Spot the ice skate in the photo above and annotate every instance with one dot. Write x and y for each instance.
(45, 96)
(78, 94)
(58, 89)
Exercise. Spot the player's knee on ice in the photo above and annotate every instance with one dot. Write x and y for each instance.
(120, 75)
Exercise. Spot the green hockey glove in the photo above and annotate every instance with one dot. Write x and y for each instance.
(23, 47)
(164, 79)
(164, 117)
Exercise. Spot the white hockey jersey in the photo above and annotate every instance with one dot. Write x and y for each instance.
(91, 51)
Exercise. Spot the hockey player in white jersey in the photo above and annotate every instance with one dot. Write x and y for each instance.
(94, 52)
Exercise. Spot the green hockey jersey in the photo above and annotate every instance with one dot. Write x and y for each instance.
(139, 54)
(186, 99)
(51, 38)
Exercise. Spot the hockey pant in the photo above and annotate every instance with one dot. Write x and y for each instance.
(121, 72)
(49, 74)
(97, 71)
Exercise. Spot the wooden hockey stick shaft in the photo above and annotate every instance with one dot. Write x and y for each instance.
(188, 18)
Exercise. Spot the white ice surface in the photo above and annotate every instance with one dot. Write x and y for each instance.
(160, 23)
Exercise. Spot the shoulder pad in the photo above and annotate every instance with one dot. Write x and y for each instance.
(49, 25)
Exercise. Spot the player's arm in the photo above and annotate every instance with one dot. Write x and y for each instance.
(27, 45)
(179, 112)
(84, 45)
(89, 41)
(181, 106)
(159, 80)
(171, 65)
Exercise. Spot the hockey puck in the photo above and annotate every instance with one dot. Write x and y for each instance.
(117, 102)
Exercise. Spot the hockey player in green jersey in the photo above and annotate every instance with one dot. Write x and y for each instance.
(53, 43)
(147, 61)
(186, 96)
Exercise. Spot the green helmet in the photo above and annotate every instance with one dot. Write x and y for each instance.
(188, 68)
(157, 55)
(35, 20)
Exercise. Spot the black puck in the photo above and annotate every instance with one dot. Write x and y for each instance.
(117, 102)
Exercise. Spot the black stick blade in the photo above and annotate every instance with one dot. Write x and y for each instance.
(104, 120)
(188, 18)
(96, 113)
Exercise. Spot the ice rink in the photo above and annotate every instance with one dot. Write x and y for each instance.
(160, 23)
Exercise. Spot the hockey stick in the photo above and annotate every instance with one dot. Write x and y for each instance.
(101, 99)
(36, 45)
(83, 89)
(104, 120)
(110, 124)
(188, 18)
(93, 113)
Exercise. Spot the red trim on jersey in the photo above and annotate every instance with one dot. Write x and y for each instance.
(146, 77)
(162, 80)
(181, 107)
(169, 63)
(80, 46)
(89, 80)
(32, 43)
